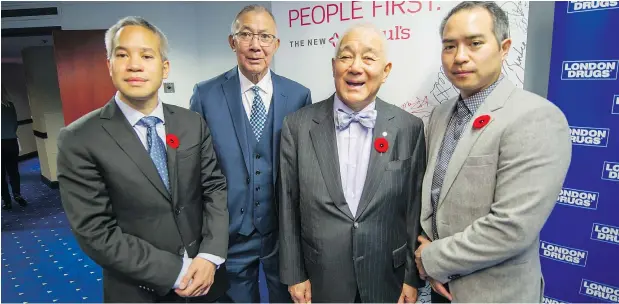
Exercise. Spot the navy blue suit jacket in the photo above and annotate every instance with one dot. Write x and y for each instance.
(219, 101)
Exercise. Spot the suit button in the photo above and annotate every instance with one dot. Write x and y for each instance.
(356, 225)
(257, 204)
(453, 277)
(242, 210)
(181, 251)
(248, 180)
(258, 172)
(257, 188)
(177, 211)
(257, 156)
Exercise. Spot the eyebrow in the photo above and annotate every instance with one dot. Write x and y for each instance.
(470, 37)
(363, 51)
(147, 49)
(249, 29)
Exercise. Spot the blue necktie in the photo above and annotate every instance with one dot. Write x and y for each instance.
(365, 118)
(156, 147)
(258, 116)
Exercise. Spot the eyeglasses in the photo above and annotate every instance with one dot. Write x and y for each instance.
(265, 39)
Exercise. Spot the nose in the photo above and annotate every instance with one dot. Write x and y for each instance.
(135, 64)
(254, 43)
(355, 66)
(462, 55)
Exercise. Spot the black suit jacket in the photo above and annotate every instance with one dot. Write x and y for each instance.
(121, 213)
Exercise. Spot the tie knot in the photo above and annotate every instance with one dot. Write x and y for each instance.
(149, 121)
(461, 109)
(255, 89)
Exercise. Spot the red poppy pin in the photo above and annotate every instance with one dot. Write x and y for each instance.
(172, 140)
(381, 145)
(481, 121)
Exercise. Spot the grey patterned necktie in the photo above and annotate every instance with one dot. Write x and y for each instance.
(450, 140)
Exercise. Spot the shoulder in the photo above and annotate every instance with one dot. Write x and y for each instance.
(289, 84)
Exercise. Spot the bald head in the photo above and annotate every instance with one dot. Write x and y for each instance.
(375, 38)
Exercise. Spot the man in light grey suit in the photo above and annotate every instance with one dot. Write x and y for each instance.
(351, 168)
(498, 156)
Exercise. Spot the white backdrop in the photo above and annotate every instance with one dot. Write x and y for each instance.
(310, 30)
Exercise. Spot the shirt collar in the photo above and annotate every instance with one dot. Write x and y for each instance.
(265, 84)
(474, 101)
(340, 105)
(133, 115)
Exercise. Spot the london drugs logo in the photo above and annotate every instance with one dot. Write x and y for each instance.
(563, 254)
(589, 70)
(552, 300)
(605, 233)
(593, 137)
(599, 291)
(611, 171)
(578, 198)
(587, 6)
(615, 104)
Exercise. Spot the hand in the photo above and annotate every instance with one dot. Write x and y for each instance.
(409, 294)
(198, 279)
(439, 288)
(301, 293)
(423, 243)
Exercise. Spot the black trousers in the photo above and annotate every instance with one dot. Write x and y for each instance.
(10, 154)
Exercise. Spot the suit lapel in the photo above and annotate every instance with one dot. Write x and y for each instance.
(117, 126)
(493, 102)
(171, 127)
(279, 112)
(378, 161)
(440, 117)
(232, 92)
(325, 146)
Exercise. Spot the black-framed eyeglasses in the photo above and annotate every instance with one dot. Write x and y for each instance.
(264, 38)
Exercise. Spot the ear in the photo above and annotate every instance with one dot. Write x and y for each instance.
(166, 69)
(505, 46)
(386, 71)
(275, 45)
(231, 42)
(109, 67)
(333, 66)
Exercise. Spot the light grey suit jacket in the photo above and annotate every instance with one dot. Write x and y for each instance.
(320, 239)
(500, 187)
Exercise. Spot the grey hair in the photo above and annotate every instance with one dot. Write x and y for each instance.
(138, 21)
(364, 26)
(247, 9)
(500, 21)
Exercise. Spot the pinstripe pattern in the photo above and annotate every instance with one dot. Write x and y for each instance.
(320, 239)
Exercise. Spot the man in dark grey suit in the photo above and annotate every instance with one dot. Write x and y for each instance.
(153, 216)
(351, 169)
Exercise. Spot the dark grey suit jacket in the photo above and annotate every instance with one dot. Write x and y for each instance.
(321, 240)
(121, 213)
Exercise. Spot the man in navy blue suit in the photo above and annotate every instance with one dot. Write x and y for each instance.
(245, 108)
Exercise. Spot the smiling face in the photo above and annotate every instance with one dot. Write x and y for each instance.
(254, 57)
(360, 67)
(136, 66)
(471, 56)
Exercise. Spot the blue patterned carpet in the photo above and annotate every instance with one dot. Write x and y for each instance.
(41, 261)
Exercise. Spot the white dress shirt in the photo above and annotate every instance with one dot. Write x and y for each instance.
(354, 145)
(266, 91)
(133, 117)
